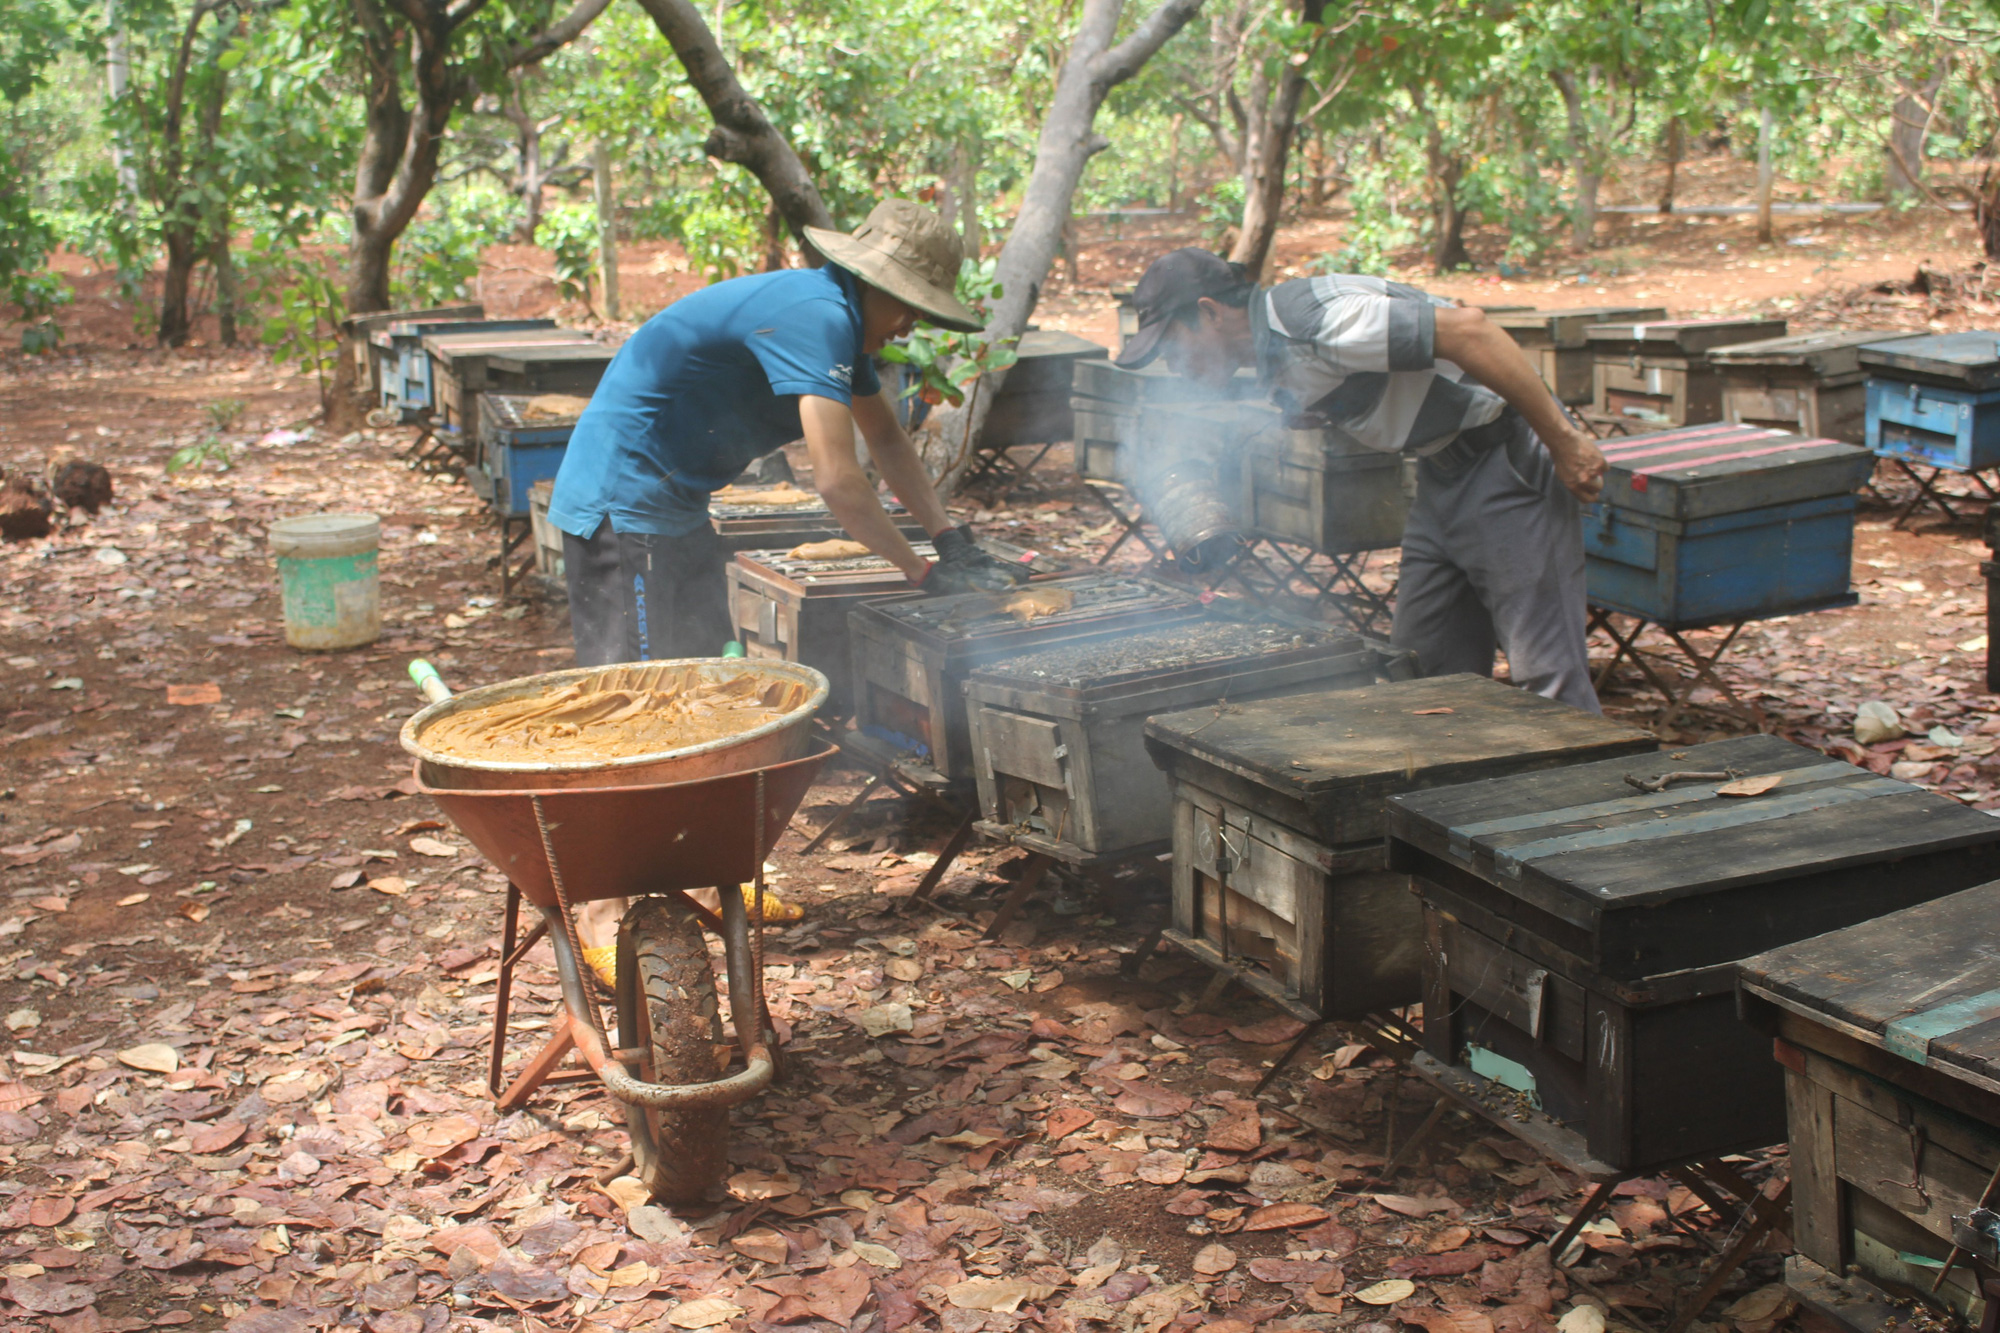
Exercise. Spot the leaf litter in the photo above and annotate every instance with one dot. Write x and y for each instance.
(271, 1115)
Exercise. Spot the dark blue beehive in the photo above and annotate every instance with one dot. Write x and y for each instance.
(1714, 524)
(403, 371)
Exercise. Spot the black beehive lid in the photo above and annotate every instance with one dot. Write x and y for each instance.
(1922, 983)
(1638, 884)
(1327, 759)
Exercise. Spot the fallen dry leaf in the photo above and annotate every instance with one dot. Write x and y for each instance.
(1387, 1293)
(1066, 1120)
(1756, 786)
(704, 1313)
(1411, 1206)
(1213, 1259)
(996, 1295)
(207, 692)
(762, 1243)
(432, 847)
(154, 1057)
(435, 1138)
(1280, 1216)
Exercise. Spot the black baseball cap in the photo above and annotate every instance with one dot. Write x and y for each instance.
(1171, 286)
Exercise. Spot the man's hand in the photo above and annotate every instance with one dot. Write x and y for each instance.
(963, 567)
(1579, 464)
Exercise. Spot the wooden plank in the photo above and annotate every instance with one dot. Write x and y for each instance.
(1938, 963)
(1967, 360)
(1819, 1226)
(1027, 747)
(1903, 1168)
(1340, 753)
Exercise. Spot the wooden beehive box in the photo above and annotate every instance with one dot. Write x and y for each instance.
(1889, 1036)
(1811, 383)
(1058, 734)
(746, 522)
(458, 366)
(1314, 485)
(1279, 860)
(1582, 934)
(1105, 404)
(911, 657)
(1936, 400)
(1034, 405)
(1658, 372)
(403, 367)
(359, 331)
(796, 610)
(1279, 825)
(1555, 343)
(1712, 524)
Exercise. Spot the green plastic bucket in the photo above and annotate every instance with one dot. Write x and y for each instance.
(326, 567)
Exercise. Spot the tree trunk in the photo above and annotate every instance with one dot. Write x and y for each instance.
(1448, 252)
(179, 241)
(399, 147)
(965, 186)
(224, 264)
(1765, 131)
(1589, 175)
(1909, 127)
(1268, 150)
(1092, 68)
(743, 134)
(1674, 148)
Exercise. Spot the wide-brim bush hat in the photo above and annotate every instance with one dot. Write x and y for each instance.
(909, 252)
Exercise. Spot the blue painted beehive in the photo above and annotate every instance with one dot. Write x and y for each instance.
(1935, 401)
(403, 368)
(1721, 523)
(521, 442)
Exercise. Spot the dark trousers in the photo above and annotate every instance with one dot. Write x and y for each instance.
(637, 597)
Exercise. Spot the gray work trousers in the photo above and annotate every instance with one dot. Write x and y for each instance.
(1493, 557)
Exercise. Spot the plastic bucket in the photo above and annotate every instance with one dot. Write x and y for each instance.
(326, 567)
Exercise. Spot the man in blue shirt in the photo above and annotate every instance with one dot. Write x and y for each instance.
(724, 376)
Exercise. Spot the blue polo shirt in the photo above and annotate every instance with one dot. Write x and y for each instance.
(704, 389)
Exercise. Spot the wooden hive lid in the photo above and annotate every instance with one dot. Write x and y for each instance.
(1038, 343)
(1685, 336)
(1587, 835)
(1664, 472)
(1922, 983)
(1831, 353)
(1967, 360)
(1400, 736)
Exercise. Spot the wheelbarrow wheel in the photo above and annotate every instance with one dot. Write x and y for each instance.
(667, 1006)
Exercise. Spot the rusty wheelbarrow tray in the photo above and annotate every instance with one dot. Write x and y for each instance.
(563, 839)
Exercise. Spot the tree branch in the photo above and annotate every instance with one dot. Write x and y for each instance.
(557, 34)
(1124, 60)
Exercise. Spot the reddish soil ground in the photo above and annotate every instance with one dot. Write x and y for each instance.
(247, 978)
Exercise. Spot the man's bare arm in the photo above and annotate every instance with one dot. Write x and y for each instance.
(900, 464)
(1483, 350)
(838, 478)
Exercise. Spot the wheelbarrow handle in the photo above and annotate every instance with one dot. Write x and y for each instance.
(429, 681)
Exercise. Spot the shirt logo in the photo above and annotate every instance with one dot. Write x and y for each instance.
(845, 374)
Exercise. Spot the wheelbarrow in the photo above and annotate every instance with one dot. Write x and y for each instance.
(561, 844)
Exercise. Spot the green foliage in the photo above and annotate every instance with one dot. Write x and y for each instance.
(437, 259)
(569, 233)
(212, 450)
(224, 413)
(945, 362)
(303, 307)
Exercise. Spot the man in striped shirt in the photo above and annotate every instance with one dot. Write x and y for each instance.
(1493, 549)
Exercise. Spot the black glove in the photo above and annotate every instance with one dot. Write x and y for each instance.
(963, 567)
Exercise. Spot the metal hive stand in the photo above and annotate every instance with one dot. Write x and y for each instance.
(1712, 1180)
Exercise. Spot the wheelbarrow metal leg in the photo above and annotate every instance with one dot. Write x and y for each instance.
(562, 1040)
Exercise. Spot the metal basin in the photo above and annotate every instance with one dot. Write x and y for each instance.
(618, 842)
(774, 742)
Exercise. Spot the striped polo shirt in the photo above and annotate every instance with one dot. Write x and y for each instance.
(1361, 351)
